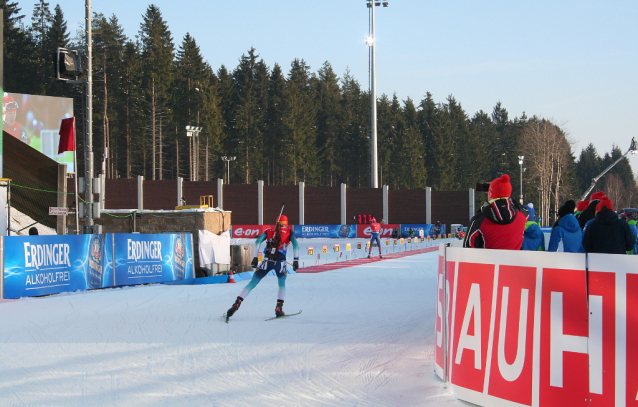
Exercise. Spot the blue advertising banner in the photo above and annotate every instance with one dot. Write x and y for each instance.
(337, 231)
(428, 229)
(152, 258)
(42, 265)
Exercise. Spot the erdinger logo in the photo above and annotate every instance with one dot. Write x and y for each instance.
(94, 273)
(241, 232)
(96, 250)
(179, 265)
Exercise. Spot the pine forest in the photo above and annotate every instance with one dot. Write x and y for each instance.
(287, 123)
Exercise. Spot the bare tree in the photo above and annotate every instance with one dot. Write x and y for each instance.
(615, 190)
(547, 153)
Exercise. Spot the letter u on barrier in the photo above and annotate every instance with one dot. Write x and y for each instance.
(511, 372)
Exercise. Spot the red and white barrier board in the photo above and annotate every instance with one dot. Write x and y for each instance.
(365, 231)
(536, 328)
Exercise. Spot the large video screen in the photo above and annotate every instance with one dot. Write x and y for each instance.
(35, 120)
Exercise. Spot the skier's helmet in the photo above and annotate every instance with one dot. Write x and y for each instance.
(283, 220)
(373, 220)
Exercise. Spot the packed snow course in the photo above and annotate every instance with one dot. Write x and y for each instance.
(365, 338)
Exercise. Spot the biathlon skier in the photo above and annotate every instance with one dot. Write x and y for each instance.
(375, 228)
(277, 240)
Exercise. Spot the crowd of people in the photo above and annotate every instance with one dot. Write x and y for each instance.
(580, 227)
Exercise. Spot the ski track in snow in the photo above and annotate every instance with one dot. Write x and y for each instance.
(365, 338)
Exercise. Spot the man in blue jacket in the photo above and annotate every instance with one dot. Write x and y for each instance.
(567, 229)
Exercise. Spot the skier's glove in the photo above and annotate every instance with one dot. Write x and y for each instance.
(295, 264)
(254, 262)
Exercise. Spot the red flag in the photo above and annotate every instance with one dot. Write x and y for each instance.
(67, 135)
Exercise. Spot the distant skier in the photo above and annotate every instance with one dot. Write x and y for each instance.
(375, 228)
(277, 240)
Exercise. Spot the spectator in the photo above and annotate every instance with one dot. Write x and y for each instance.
(395, 233)
(606, 233)
(501, 222)
(634, 231)
(581, 206)
(566, 229)
(590, 213)
(33, 231)
(533, 238)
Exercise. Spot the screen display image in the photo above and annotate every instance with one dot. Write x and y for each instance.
(35, 120)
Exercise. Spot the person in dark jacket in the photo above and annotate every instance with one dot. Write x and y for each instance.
(566, 229)
(606, 233)
(501, 223)
(581, 206)
(533, 238)
(590, 213)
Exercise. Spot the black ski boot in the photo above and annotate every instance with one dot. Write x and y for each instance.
(234, 308)
(279, 309)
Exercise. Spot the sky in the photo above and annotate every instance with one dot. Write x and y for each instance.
(574, 62)
(168, 345)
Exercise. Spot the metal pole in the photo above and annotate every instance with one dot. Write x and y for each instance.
(521, 182)
(374, 179)
(88, 156)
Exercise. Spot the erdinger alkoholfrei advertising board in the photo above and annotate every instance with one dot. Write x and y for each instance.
(41, 265)
(152, 258)
(325, 231)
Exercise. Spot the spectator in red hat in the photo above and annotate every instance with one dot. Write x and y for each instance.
(581, 206)
(590, 213)
(606, 233)
(500, 224)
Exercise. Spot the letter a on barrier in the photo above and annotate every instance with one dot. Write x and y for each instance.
(466, 341)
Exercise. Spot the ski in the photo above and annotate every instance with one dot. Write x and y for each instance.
(285, 316)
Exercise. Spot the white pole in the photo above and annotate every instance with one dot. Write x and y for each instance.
(374, 179)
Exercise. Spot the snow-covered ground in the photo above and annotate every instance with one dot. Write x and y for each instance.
(365, 338)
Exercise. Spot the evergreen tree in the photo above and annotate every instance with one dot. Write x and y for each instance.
(440, 154)
(588, 166)
(328, 96)
(157, 76)
(40, 24)
(409, 150)
(132, 105)
(249, 100)
(386, 139)
(108, 95)
(19, 65)
(57, 36)
(299, 126)
(355, 146)
(187, 100)
(482, 132)
(274, 155)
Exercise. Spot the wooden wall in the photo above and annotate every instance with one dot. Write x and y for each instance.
(323, 204)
